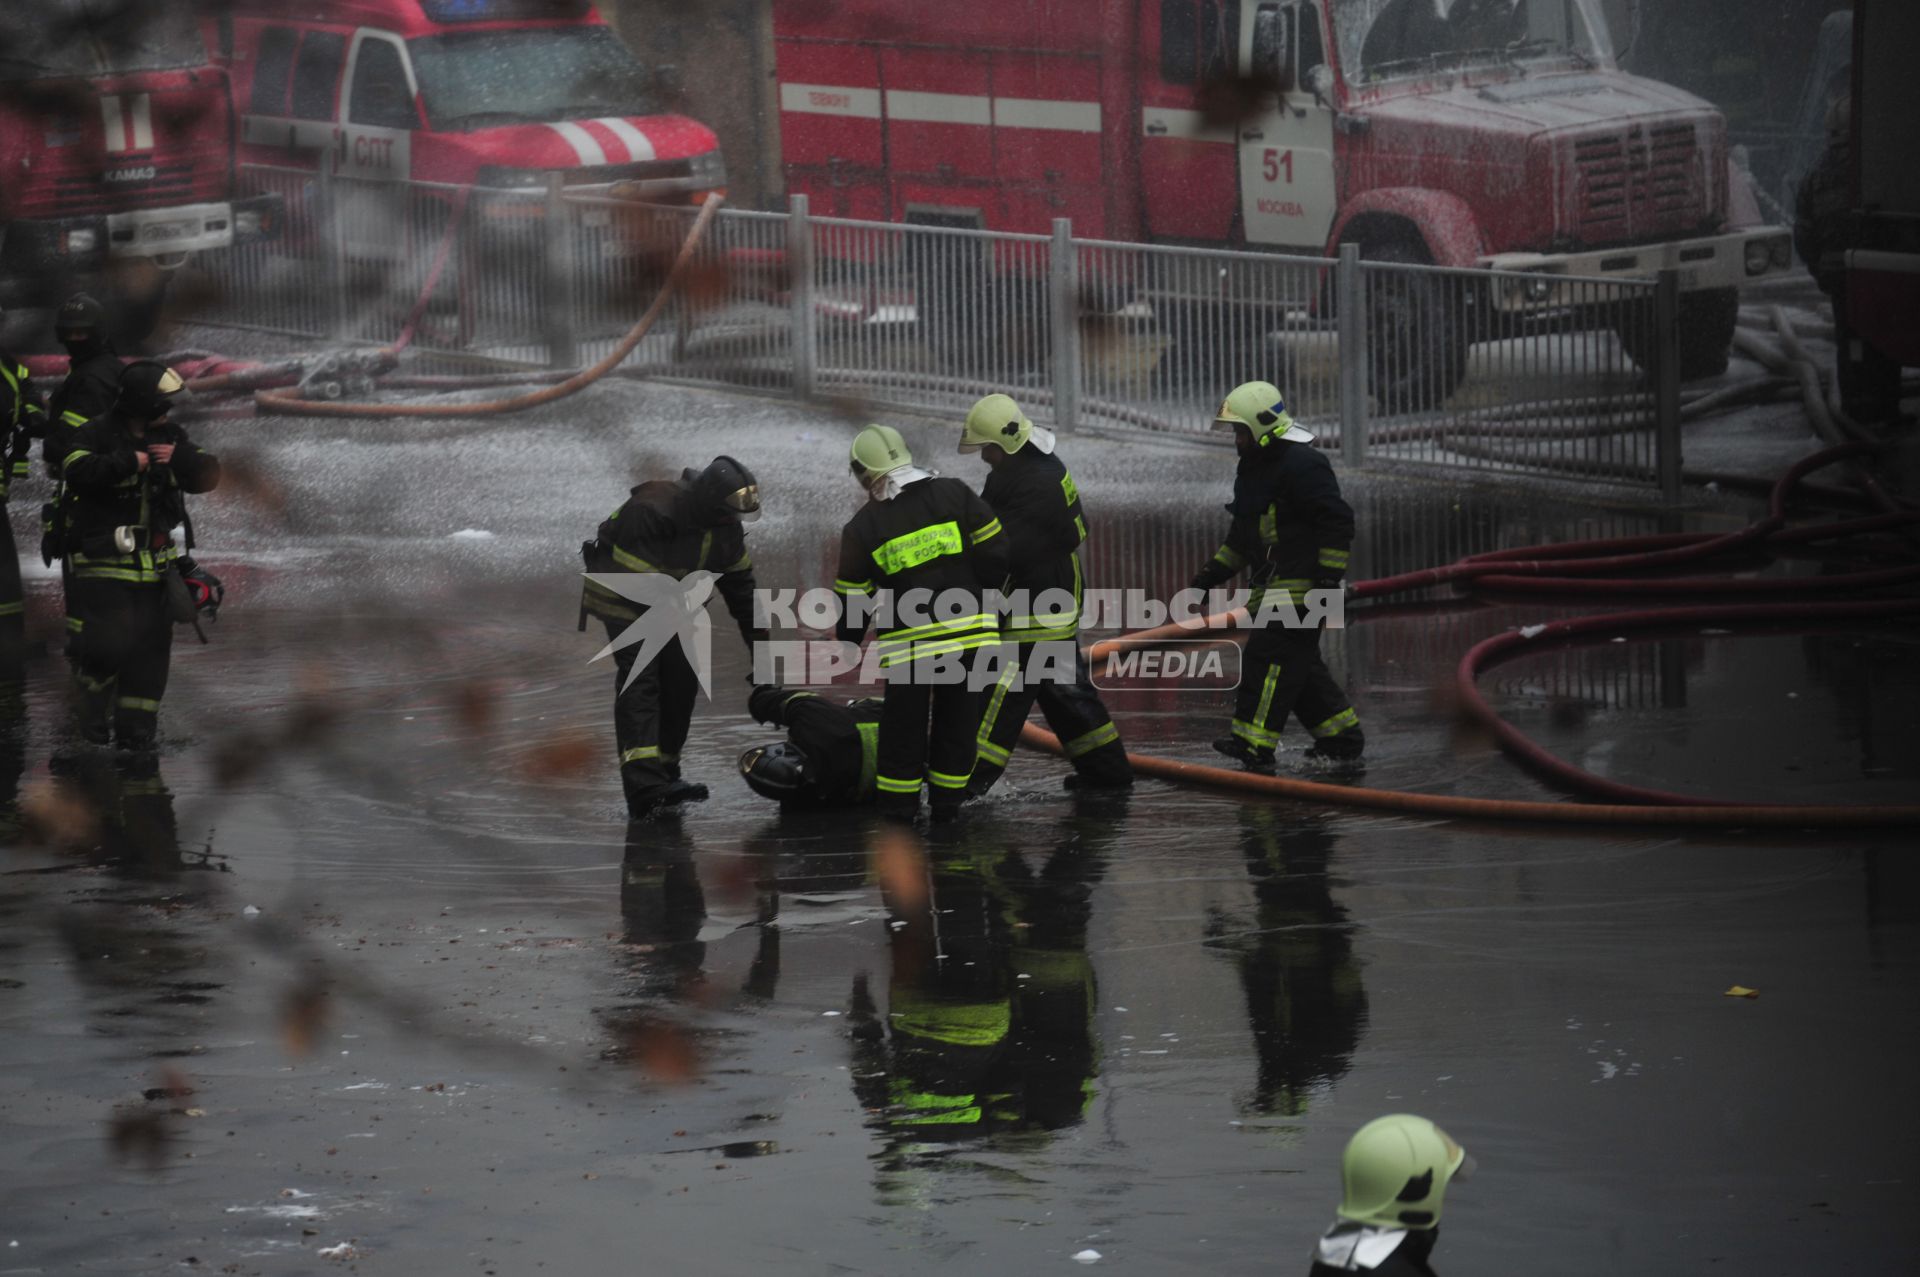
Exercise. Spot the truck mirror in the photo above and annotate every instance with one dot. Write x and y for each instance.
(1320, 83)
(1270, 62)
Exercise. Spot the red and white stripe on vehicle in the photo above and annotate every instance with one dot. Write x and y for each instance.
(128, 121)
(608, 140)
(912, 105)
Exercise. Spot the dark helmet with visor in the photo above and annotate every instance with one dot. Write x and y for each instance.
(149, 390)
(726, 488)
(778, 771)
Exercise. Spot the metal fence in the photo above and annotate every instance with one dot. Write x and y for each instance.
(1388, 361)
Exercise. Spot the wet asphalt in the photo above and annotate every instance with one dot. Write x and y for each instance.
(374, 959)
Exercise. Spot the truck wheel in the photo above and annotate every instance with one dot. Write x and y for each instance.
(1417, 332)
(1707, 321)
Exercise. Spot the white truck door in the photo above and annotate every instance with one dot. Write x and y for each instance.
(1287, 191)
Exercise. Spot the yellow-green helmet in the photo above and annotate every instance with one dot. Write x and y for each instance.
(878, 450)
(997, 419)
(1257, 406)
(1396, 1170)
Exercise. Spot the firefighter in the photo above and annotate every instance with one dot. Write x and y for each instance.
(1033, 496)
(23, 420)
(925, 551)
(1292, 532)
(94, 369)
(1394, 1175)
(829, 756)
(125, 477)
(670, 528)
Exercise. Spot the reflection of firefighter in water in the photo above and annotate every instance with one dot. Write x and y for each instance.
(988, 1029)
(1305, 1000)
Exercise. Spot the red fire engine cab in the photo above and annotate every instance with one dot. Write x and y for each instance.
(1491, 133)
(493, 93)
(116, 139)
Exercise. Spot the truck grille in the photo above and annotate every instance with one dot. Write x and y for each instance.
(80, 194)
(1640, 181)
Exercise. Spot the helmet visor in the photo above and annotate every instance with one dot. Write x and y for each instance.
(744, 502)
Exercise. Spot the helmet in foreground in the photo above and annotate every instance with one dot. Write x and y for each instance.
(726, 488)
(877, 451)
(997, 419)
(777, 771)
(149, 390)
(1257, 406)
(1396, 1170)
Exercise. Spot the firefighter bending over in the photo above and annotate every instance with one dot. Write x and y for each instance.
(1394, 1176)
(1291, 532)
(125, 479)
(925, 551)
(669, 527)
(829, 757)
(1039, 509)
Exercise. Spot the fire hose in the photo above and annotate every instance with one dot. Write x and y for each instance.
(1577, 566)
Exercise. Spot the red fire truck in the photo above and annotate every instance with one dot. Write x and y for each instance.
(116, 136)
(1492, 133)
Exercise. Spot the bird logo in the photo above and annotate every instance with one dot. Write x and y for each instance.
(669, 609)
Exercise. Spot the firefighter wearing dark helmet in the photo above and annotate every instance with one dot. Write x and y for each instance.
(23, 420)
(669, 527)
(1394, 1177)
(125, 479)
(1038, 505)
(829, 757)
(1291, 533)
(924, 551)
(92, 383)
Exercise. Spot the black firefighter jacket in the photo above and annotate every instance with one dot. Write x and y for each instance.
(106, 489)
(660, 528)
(1291, 527)
(1044, 525)
(840, 741)
(935, 538)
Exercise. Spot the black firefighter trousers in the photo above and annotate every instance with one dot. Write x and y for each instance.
(650, 719)
(1283, 672)
(927, 726)
(126, 647)
(1072, 709)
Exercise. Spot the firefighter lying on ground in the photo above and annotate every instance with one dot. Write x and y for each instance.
(669, 527)
(1044, 525)
(829, 756)
(125, 482)
(1394, 1176)
(1291, 532)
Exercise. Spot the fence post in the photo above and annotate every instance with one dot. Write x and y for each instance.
(558, 284)
(1666, 384)
(1350, 315)
(804, 320)
(333, 257)
(1064, 326)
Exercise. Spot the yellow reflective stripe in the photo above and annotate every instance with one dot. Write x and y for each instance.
(954, 626)
(1256, 736)
(947, 780)
(75, 624)
(930, 1108)
(1330, 557)
(75, 455)
(742, 564)
(73, 418)
(1269, 526)
(1080, 526)
(986, 531)
(843, 586)
(1068, 489)
(993, 753)
(1340, 722)
(706, 547)
(1228, 557)
(921, 649)
(1105, 734)
(992, 715)
(890, 785)
(869, 752)
(12, 609)
(1267, 689)
(139, 703)
(639, 753)
(633, 562)
(915, 548)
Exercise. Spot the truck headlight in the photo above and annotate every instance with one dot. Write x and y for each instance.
(1759, 256)
(709, 169)
(246, 222)
(81, 240)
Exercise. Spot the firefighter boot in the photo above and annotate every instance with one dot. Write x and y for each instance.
(1251, 757)
(93, 707)
(683, 791)
(1346, 747)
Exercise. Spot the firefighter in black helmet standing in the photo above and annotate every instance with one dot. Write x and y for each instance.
(1291, 531)
(22, 419)
(669, 528)
(1038, 505)
(925, 550)
(92, 383)
(126, 475)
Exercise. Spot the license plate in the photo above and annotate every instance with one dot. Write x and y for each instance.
(167, 232)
